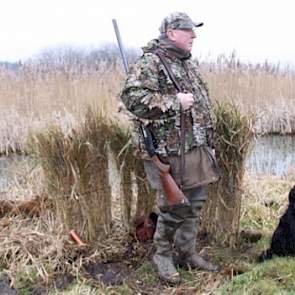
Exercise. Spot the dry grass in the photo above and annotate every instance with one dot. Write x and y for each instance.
(37, 249)
(75, 166)
(59, 85)
(32, 244)
(55, 90)
(16, 128)
(264, 199)
(234, 133)
(263, 89)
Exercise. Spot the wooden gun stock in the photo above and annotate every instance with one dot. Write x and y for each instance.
(173, 194)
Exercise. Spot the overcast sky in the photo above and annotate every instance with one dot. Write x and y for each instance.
(255, 29)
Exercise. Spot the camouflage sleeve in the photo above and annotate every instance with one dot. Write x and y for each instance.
(142, 95)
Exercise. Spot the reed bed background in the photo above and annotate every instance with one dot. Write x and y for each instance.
(57, 85)
(56, 88)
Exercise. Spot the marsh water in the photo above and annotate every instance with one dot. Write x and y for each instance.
(268, 155)
(15, 171)
(272, 154)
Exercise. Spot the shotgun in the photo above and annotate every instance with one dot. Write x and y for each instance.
(174, 195)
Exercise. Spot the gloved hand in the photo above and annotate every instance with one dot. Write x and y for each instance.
(186, 100)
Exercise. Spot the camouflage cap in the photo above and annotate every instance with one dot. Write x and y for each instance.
(178, 20)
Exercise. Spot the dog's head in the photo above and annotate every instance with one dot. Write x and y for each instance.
(292, 197)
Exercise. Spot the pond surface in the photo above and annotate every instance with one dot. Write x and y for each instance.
(269, 155)
(272, 154)
(18, 175)
(9, 170)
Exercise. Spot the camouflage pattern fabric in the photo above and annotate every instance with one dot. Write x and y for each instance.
(178, 20)
(150, 97)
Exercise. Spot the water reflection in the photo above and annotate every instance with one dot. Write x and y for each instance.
(14, 170)
(271, 155)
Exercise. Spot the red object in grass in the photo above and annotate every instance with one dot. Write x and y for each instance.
(76, 238)
(145, 227)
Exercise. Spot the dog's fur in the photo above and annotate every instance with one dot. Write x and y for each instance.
(283, 239)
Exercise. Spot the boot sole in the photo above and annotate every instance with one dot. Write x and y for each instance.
(163, 279)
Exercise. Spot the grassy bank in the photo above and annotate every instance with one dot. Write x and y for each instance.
(57, 86)
(37, 255)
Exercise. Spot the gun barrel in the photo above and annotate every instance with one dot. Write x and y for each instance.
(117, 32)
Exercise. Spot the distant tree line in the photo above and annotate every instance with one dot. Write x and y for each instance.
(10, 65)
(107, 57)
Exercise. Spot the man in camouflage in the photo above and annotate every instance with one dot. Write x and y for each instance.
(150, 96)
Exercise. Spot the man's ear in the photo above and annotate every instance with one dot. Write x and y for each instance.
(170, 34)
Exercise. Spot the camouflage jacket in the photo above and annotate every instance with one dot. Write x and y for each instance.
(150, 96)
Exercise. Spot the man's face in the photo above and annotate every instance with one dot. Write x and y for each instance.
(182, 38)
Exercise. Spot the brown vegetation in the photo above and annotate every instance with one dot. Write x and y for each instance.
(31, 208)
(76, 173)
(35, 251)
(75, 161)
(57, 86)
(265, 90)
(234, 133)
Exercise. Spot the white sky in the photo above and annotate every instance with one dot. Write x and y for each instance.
(256, 29)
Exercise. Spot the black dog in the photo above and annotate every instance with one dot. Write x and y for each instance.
(283, 239)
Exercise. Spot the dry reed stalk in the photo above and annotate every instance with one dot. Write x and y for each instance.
(261, 89)
(276, 121)
(76, 170)
(121, 148)
(146, 196)
(92, 161)
(35, 244)
(265, 200)
(30, 208)
(37, 249)
(57, 80)
(126, 194)
(16, 128)
(134, 188)
(234, 134)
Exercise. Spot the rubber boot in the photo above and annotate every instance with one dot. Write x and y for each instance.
(165, 269)
(163, 240)
(195, 261)
(185, 238)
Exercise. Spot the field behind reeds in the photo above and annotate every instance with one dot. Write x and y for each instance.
(57, 86)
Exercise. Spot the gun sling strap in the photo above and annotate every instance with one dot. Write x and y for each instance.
(182, 115)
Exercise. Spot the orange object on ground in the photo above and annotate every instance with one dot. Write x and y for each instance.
(76, 238)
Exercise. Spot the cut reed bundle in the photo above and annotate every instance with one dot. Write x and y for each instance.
(121, 148)
(76, 170)
(136, 195)
(234, 133)
(146, 196)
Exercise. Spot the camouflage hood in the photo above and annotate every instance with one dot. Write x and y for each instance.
(167, 47)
